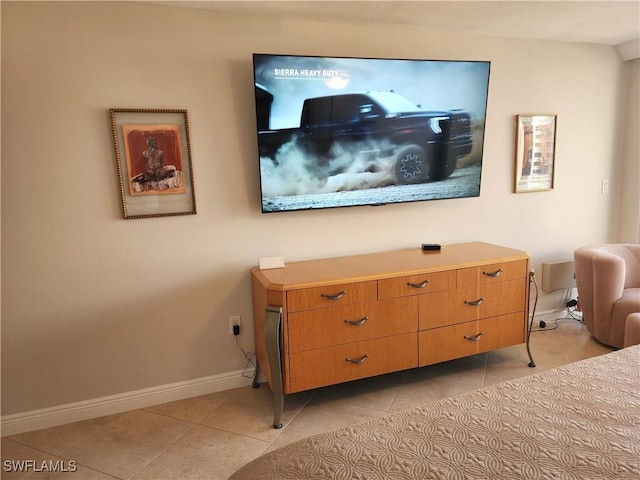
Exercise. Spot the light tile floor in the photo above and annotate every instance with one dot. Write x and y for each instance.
(210, 437)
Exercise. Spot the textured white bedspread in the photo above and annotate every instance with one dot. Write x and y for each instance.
(580, 421)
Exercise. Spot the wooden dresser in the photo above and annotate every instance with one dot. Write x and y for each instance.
(321, 322)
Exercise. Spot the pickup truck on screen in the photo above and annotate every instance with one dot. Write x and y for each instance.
(424, 145)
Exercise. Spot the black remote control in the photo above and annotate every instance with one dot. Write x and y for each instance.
(431, 246)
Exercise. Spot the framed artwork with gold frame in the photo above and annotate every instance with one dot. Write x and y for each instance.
(153, 158)
(535, 153)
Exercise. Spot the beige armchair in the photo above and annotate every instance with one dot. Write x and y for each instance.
(608, 281)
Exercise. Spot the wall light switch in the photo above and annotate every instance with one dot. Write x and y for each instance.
(605, 186)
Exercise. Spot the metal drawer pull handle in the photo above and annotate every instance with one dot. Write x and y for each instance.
(357, 323)
(475, 338)
(418, 285)
(477, 303)
(338, 296)
(358, 361)
(497, 273)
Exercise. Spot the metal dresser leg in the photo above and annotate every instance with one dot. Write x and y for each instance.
(532, 279)
(272, 330)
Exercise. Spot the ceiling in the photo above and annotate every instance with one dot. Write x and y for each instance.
(586, 21)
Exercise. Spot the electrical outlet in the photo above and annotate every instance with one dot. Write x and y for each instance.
(235, 320)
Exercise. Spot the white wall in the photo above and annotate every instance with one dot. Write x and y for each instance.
(629, 231)
(93, 305)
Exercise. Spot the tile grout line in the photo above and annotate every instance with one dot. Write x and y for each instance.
(60, 457)
(395, 397)
(193, 426)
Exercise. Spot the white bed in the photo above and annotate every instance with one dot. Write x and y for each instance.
(580, 421)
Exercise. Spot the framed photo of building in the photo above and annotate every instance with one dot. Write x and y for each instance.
(153, 159)
(535, 153)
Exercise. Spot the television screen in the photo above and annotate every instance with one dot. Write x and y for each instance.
(337, 132)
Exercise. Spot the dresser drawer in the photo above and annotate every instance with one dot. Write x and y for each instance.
(472, 303)
(492, 273)
(329, 296)
(416, 284)
(326, 366)
(456, 341)
(326, 327)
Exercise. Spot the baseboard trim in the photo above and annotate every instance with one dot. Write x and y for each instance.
(109, 405)
(99, 407)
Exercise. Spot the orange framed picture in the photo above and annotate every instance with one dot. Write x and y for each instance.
(153, 159)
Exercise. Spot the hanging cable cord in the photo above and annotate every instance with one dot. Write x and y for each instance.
(249, 357)
(532, 279)
(571, 308)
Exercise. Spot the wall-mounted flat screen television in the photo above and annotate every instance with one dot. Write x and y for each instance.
(338, 132)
